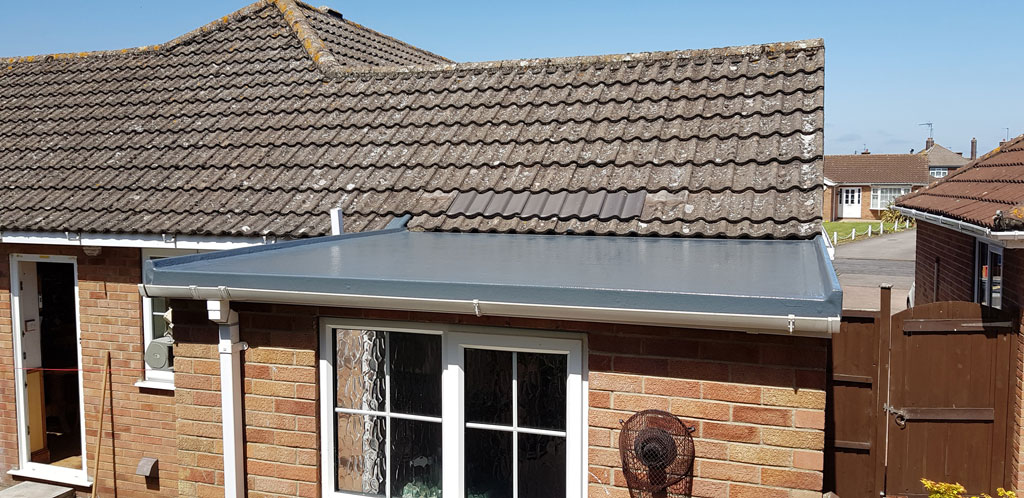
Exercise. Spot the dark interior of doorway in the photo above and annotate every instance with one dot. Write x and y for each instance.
(58, 325)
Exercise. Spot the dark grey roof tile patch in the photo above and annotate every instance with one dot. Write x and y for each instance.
(261, 123)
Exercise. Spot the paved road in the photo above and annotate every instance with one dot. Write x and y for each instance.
(865, 264)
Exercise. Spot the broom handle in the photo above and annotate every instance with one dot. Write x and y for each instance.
(99, 433)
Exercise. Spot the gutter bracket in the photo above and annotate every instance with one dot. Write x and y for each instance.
(476, 307)
(792, 323)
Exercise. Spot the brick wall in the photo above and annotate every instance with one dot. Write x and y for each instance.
(756, 401)
(829, 206)
(948, 254)
(143, 419)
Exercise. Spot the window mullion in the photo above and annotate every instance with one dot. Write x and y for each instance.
(515, 424)
(387, 411)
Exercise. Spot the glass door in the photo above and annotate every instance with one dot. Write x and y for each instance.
(520, 418)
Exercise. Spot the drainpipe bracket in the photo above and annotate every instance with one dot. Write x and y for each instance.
(232, 347)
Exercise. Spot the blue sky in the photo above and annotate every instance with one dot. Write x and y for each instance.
(889, 65)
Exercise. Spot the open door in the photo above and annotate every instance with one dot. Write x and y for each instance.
(48, 362)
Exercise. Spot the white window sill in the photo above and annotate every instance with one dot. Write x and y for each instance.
(155, 384)
(37, 475)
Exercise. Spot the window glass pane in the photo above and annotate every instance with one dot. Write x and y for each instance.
(159, 325)
(996, 279)
(541, 466)
(359, 364)
(159, 304)
(415, 373)
(488, 390)
(541, 383)
(415, 459)
(489, 464)
(360, 453)
(982, 273)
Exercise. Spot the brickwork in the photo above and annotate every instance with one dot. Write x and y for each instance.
(948, 257)
(757, 401)
(143, 419)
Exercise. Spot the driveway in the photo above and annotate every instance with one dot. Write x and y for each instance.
(865, 264)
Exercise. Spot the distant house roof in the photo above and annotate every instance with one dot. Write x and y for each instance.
(941, 157)
(261, 123)
(865, 169)
(975, 194)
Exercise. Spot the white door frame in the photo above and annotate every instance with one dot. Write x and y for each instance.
(27, 468)
(453, 407)
(855, 193)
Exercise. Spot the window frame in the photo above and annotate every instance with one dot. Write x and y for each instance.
(876, 195)
(454, 340)
(938, 172)
(151, 377)
(991, 247)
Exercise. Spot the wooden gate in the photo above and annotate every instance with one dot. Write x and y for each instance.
(923, 393)
(948, 404)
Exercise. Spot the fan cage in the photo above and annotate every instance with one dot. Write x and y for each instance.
(657, 455)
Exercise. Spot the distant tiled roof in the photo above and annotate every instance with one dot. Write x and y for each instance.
(865, 169)
(993, 183)
(263, 122)
(941, 157)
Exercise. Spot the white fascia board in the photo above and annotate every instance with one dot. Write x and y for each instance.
(756, 324)
(1013, 239)
(163, 241)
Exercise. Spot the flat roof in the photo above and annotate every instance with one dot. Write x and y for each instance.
(726, 276)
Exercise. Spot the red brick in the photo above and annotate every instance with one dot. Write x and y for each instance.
(762, 416)
(791, 479)
(731, 432)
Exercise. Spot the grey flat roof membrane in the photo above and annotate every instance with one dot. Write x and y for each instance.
(777, 278)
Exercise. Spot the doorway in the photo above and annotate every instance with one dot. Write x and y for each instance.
(850, 202)
(51, 424)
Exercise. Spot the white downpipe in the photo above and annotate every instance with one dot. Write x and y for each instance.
(229, 346)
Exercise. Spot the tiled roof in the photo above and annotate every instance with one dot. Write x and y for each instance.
(993, 183)
(865, 169)
(941, 157)
(261, 123)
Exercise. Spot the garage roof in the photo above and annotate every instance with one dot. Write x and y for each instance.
(665, 281)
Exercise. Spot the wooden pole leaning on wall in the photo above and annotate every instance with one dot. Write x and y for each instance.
(99, 432)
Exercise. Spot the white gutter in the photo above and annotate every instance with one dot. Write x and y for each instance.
(229, 346)
(166, 240)
(768, 324)
(1013, 239)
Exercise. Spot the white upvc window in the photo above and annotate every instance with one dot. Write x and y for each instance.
(882, 197)
(938, 172)
(988, 274)
(414, 410)
(154, 323)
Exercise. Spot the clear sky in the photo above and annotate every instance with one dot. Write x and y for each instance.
(889, 65)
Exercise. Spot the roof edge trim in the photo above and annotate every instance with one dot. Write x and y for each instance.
(769, 50)
(248, 9)
(777, 325)
(1013, 239)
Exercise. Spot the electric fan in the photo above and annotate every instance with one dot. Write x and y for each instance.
(657, 455)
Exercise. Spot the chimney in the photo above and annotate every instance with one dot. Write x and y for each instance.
(974, 148)
(929, 143)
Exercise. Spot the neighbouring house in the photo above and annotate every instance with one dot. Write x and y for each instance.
(862, 186)
(970, 247)
(524, 253)
(942, 161)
